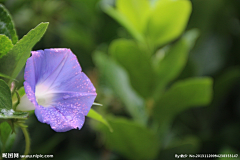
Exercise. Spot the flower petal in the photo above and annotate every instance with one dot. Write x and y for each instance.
(82, 101)
(30, 93)
(60, 118)
(44, 63)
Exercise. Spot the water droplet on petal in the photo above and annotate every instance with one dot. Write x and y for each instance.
(66, 97)
(69, 118)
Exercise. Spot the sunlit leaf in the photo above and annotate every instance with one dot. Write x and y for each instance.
(7, 25)
(135, 11)
(168, 20)
(136, 63)
(5, 45)
(123, 21)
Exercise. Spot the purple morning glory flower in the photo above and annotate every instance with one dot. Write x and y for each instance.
(58, 90)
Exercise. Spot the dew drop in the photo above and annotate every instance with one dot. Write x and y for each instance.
(66, 97)
(69, 117)
(8, 113)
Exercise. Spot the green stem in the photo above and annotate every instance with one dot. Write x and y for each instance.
(18, 101)
(27, 140)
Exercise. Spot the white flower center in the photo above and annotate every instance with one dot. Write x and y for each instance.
(43, 95)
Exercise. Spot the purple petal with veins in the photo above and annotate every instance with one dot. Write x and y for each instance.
(61, 93)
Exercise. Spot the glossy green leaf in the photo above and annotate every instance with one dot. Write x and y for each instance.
(183, 95)
(118, 80)
(175, 59)
(5, 96)
(135, 11)
(136, 63)
(130, 139)
(94, 115)
(168, 20)
(5, 45)
(14, 61)
(7, 25)
(123, 21)
(5, 131)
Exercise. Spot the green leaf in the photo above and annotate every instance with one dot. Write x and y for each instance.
(5, 96)
(183, 95)
(21, 91)
(14, 61)
(10, 114)
(5, 131)
(175, 59)
(131, 139)
(7, 77)
(118, 80)
(5, 45)
(135, 11)
(136, 63)
(10, 142)
(123, 21)
(94, 115)
(7, 25)
(17, 96)
(6, 111)
(168, 20)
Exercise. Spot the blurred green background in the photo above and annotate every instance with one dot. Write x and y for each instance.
(82, 26)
